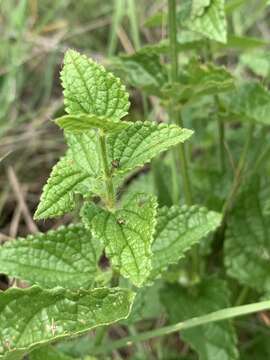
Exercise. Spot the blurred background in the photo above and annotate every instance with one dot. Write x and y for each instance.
(34, 35)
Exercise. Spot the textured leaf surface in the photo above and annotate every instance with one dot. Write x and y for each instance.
(141, 141)
(212, 341)
(127, 235)
(33, 316)
(247, 241)
(84, 122)
(177, 230)
(58, 194)
(90, 89)
(251, 102)
(65, 257)
(207, 18)
(83, 148)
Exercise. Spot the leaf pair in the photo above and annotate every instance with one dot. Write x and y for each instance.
(141, 241)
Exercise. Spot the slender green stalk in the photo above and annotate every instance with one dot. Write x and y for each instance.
(175, 115)
(242, 296)
(219, 315)
(221, 133)
(133, 18)
(107, 171)
(117, 18)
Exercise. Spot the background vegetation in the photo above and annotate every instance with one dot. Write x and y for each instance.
(34, 36)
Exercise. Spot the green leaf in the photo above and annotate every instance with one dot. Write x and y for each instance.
(84, 122)
(199, 80)
(250, 102)
(33, 317)
(48, 353)
(211, 341)
(247, 241)
(258, 62)
(144, 70)
(64, 257)
(58, 194)
(90, 89)
(141, 141)
(83, 148)
(206, 18)
(177, 230)
(127, 235)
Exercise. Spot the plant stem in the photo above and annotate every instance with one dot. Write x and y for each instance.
(117, 17)
(242, 296)
(221, 133)
(219, 315)
(133, 18)
(107, 171)
(175, 115)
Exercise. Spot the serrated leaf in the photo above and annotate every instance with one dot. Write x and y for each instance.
(211, 341)
(250, 102)
(127, 235)
(90, 89)
(144, 70)
(207, 19)
(83, 148)
(141, 141)
(64, 257)
(247, 241)
(258, 62)
(84, 122)
(33, 317)
(177, 230)
(58, 194)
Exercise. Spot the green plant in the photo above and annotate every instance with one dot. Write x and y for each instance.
(157, 240)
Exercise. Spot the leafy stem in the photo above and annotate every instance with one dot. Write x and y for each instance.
(107, 171)
(215, 316)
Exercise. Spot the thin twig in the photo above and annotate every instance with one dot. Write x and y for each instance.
(21, 200)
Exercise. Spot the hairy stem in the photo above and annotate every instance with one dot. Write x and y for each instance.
(219, 315)
(110, 200)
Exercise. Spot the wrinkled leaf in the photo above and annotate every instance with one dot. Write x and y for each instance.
(177, 230)
(141, 141)
(206, 18)
(90, 89)
(127, 235)
(33, 317)
(58, 194)
(64, 257)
